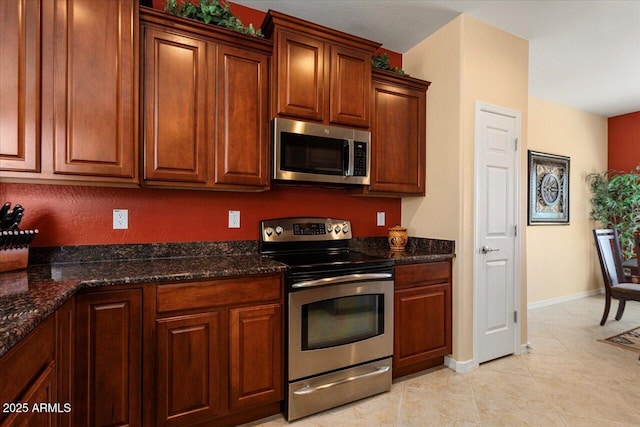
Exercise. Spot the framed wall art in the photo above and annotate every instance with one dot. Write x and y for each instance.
(548, 188)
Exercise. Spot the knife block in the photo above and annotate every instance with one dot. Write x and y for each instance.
(14, 259)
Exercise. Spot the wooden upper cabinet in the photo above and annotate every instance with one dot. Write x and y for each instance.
(94, 95)
(20, 85)
(300, 78)
(242, 138)
(350, 87)
(175, 107)
(398, 133)
(205, 105)
(319, 73)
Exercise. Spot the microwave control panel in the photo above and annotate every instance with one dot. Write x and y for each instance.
(359, 158)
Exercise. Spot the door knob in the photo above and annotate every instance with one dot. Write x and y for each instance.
(486, 249)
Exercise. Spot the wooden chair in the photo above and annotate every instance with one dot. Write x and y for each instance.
(615, 286)
(636, 239)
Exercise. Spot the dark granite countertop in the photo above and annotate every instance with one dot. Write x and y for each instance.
(417, 249)
(29, 297)
(56, 274)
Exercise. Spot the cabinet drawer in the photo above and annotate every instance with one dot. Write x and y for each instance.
(432, 272)
(212, 293)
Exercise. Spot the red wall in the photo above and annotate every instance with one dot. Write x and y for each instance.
(74, 215)
(624, 142)
(252, 16)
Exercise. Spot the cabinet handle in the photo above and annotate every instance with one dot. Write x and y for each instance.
(307, 389)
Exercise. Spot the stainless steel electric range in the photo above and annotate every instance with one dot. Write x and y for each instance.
(339, 314)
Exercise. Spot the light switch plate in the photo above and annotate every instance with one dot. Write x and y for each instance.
(120, 219)
(380, 219)
(234, 219)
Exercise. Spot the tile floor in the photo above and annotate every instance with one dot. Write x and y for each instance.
(567, 379)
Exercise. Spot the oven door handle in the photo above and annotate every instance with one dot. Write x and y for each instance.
(342, 279)
(307, 389)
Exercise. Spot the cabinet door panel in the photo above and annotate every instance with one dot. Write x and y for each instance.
(20, 85)
(94, 93)
(350, 87)
(300, 76)
(65, 359)
(241, 145)
(255, 342)
(423, 325)
(175, 107)
(188, 368)
(108, 358)
(42, 391)
(21, 367)
(398, 147)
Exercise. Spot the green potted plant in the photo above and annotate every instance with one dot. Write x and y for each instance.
(615, 203)
(381, 61)
(214, 12)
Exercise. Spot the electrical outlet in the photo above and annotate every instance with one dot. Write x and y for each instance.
(120, 219)
(380, 219)
(234, 219)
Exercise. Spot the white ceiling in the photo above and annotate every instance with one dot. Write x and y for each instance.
(582, 53)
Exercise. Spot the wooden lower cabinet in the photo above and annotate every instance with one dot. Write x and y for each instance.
(108, 360)
(65, 360)
(188, 357)
(42, 391)
(255, 349)
(205, 353)
(422, 316)
(218, 351)
(28, 378)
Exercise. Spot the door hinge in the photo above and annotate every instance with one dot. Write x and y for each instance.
(516, 143)
(515, 317)
(515, 230)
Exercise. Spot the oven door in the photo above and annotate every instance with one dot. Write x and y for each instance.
(336, 326)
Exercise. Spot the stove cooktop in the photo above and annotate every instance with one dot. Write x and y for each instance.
(309, 266)
(319, 259)
(317, 247)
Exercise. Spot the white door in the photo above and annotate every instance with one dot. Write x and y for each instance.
(496, 284)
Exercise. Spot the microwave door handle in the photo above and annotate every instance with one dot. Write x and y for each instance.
(348, 157)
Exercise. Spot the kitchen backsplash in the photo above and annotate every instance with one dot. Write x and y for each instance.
(75, 215)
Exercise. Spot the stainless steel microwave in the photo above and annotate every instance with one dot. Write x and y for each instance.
(304, 151)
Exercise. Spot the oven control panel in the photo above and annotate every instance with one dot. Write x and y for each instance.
(304, 229)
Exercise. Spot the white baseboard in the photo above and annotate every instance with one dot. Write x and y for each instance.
(565, 298)
(460, 367)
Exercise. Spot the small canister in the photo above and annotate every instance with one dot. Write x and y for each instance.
(397, 238)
